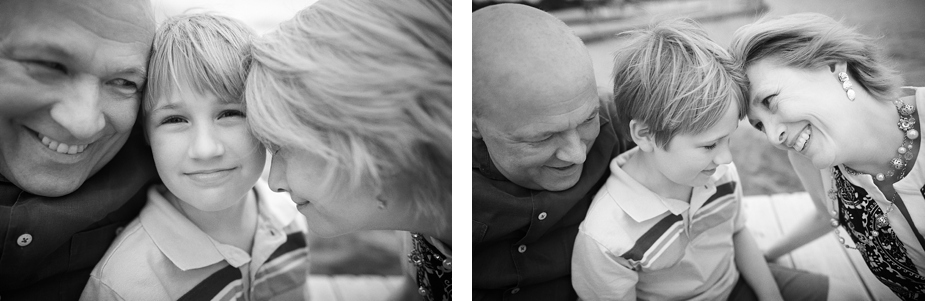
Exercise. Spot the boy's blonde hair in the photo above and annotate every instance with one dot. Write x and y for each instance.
(366, 85)
(675, 80)
(810, 40)
(208, 53)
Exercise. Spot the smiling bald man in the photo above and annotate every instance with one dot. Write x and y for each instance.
(73, 162)
(542, 141)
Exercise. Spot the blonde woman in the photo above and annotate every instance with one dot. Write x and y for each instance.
(353, 99)
(826, 94)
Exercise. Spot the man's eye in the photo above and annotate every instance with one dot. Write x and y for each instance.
(126, 86)
(40, 65)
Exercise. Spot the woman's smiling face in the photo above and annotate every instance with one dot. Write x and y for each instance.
(801, 110)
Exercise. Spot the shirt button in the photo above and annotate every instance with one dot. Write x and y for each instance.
(522, 248)
(515, 290)
(24, 240)
(542, 216)
(119, 230)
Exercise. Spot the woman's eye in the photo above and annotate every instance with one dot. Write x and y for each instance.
(231, 113)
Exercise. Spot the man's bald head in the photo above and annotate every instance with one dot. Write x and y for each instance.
(517, 50)
(135, 18)
(535, 101)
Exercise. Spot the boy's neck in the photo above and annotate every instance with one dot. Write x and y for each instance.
(639, 167)
(225, 226)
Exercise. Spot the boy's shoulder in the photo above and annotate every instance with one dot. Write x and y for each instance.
(134, 248)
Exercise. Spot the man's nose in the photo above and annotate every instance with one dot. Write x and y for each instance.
(572, 150)
(81, 113)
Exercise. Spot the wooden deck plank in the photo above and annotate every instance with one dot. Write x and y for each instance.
(824, 255)
(362, 287)
(761, 220)
(876, 289)
(321, 287)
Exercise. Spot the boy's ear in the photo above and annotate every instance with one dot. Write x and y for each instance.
(642, 136)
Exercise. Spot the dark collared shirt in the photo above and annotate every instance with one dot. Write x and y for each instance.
(522, 238)
(50, 244)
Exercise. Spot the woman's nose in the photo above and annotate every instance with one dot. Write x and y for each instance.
(277, 178)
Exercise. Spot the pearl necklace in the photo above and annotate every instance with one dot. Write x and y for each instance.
(906, 124)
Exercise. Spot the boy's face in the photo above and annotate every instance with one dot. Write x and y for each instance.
(203, 149)
(691, 159)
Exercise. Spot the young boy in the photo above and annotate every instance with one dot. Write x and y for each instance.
(667, 224)
(208, 232)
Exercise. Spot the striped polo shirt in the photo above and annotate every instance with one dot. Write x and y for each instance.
(635, 244)
(162, 255)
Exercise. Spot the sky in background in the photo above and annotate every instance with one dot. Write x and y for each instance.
(262, 16)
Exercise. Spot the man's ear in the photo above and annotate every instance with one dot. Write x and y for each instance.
(642, 136)
(475, 129)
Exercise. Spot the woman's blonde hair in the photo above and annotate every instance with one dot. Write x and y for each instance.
(366, 85)
(675, 80)
(208, 53)
(810, 40)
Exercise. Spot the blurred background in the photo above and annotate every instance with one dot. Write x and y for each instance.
(900, 25)
(370, 252)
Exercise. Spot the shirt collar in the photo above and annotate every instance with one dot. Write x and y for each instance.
(175, 235)
(187, 246)
(636, 200)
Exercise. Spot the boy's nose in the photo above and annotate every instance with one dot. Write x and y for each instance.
(205, 144)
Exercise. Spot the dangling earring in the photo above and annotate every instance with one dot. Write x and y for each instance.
(846, 85)
(381, 203)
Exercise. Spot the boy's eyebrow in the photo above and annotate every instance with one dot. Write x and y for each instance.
(170, 106)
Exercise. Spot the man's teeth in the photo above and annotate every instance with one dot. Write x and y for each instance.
(63, 148)
(801, 141)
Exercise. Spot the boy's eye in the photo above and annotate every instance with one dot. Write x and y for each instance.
(232, 113)
(173, 119)
(711, 146)
(759, 126)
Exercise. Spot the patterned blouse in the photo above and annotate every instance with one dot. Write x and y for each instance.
(433, 270)
(894, 250)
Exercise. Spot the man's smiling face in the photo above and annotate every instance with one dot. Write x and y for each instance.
(71, 75)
